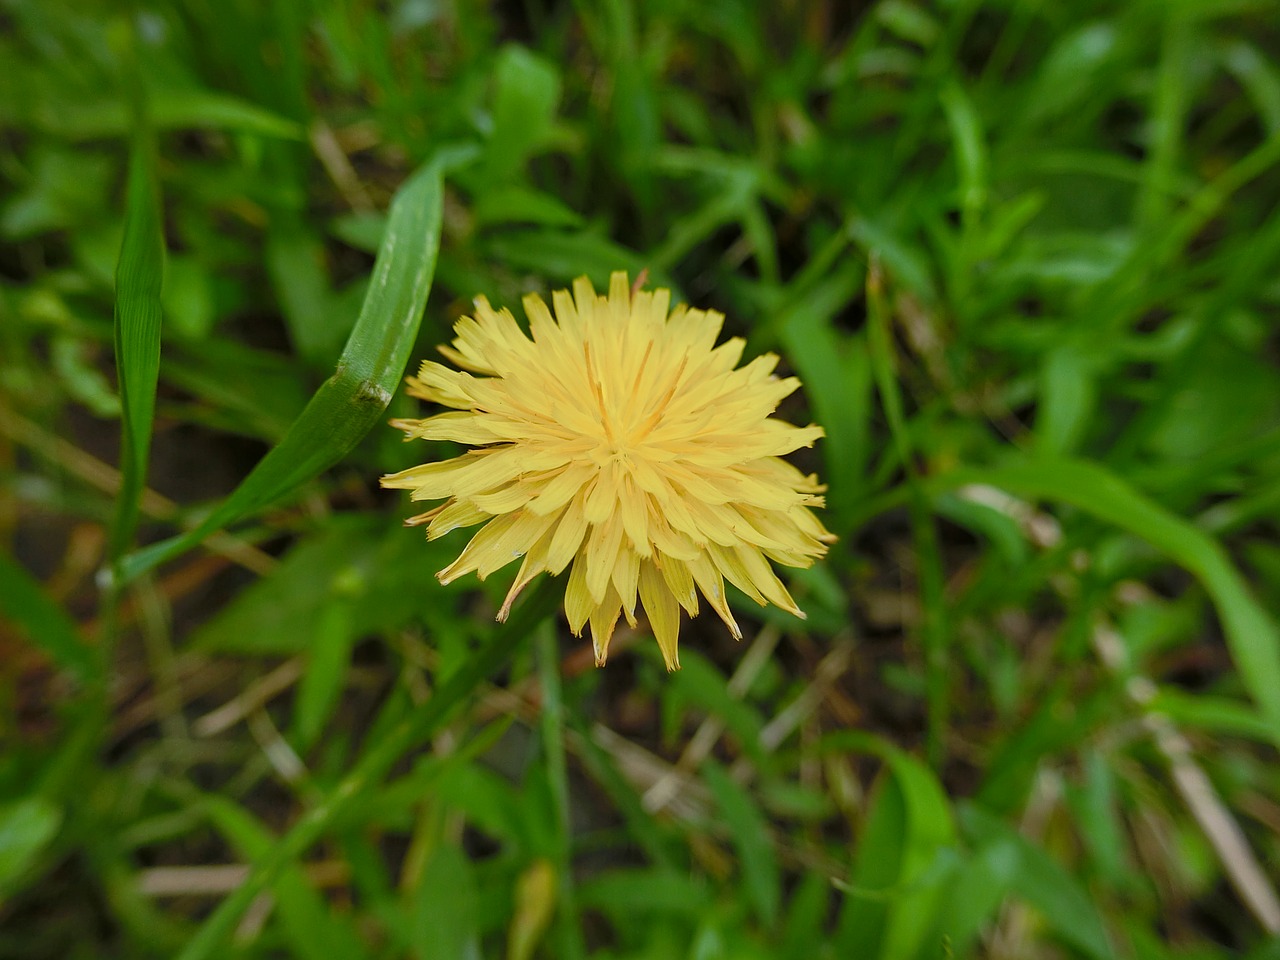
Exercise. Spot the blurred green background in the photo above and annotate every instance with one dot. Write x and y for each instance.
(1025, 257)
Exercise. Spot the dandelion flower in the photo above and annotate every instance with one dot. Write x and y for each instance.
(618, 441)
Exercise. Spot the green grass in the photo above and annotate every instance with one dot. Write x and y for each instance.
(1023, 257)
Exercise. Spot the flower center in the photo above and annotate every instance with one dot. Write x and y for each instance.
(612, 451)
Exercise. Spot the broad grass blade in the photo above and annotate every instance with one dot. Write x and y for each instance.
(896, 881)
(139, 279)
(353, 399)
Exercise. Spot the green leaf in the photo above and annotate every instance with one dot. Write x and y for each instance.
(188, 298)
(524, 106)
(1067, 398)
(1001, 530)
(1065, 75)
(1251, 633)
(63, 189)
(180, 109)
(511, 203)
(558, 820)
(749, 828)
(351, 401)
(896, 880)
(1268, 949)
(139, 279)
(836, 370)
(1180, 56)
(935, 632)
(24, 603)
(383, 752)
(902, 261)
(646, 831)
(327, 658)
(700, 683)
(561, 257)
(1098, 820)
(295, 260)
(377, 570)
(312, 927)
(363, 231)
(239, 389)
(655, 890)
(973, 892)
(1214, 715)
(1258, 76)
(26, 827)
(1042, 882)
(807, 908)
(445, 916)
(488, 800)
(170, 109)
(970, 150)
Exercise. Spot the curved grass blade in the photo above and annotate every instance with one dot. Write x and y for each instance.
(353, 399)
(170, 109)
(897, 879)
(139, 278)
(1252, 636)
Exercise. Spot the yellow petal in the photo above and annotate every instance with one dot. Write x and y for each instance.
(744, 565)
(603, 620)
(578, 603)
(602, 496)
(567, 314)
(602, 547)
(453, 515)
(500, 541)
(711, 583)
(625, 576)
(534, 564)
(633, 511)
(663, 611)
(568, 536)
(562, 487)
(670, 542)
(505, 499)
(679, 582)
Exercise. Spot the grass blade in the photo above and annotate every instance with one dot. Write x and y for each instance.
(26, 828)
(1252, 635)
(836, 371)
(139, 278)
(934, 630)
(310, 928)
(569, 924)
(415, 729)
(353, 399)
(24, 603)
(1041, 881)
(896, 884)
(752, 837)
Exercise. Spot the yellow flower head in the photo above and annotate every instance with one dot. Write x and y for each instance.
(622, 441)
